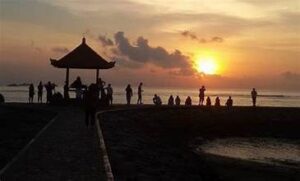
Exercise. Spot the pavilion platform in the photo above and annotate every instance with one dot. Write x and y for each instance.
(66, 150)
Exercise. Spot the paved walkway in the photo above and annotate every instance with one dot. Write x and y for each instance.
(67, 150)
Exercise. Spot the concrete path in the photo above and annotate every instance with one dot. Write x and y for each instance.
(67, 150)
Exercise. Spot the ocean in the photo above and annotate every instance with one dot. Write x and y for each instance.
(241, 97)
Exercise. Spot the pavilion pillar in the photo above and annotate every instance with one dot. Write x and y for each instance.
(67, 77)
(97, 75)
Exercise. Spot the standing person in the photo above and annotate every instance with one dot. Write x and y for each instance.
(31, 93)
(229, 102)
(201, 95)
(90, 100)
(109, 90)
(40, 92)
(177, 101)
(254, 95)
(128, 94)
(140, 90)
(77, 84)
(66, 91)
(101, 85)
(49, 88)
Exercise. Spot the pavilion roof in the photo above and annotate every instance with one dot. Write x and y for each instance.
(82, 57)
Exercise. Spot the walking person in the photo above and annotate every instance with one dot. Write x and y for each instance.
(109, 94)
(91, 100)
(201, 95)
(31, 93)
(254, 95)
(140, 90)
(128, 94)
(40, 92)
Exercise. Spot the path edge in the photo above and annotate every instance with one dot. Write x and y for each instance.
(27, 146)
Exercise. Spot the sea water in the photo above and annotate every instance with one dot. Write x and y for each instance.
(241, 97)
(273, 151)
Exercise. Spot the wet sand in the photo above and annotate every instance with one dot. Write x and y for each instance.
(158, 143)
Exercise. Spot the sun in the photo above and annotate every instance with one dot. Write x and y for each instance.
(206, 65)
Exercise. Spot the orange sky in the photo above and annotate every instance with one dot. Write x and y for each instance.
(253, 43)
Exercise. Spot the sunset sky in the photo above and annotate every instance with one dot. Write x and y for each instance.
(169, 43)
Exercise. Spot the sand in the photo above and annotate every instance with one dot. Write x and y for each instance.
(157, 143)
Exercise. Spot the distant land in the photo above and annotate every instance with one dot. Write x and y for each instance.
(17, 85)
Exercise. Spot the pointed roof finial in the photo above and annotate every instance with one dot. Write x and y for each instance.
(83, 40)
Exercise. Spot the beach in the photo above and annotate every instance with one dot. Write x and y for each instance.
(149, 142)
(159, 143)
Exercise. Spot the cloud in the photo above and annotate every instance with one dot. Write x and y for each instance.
(193, 36)
(105, 41)
(291, 76)
(142, 52)
(60, 49)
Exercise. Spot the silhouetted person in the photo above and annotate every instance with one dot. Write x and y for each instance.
(109, 94)
(40, 92)
(208, 101)
(31, 93)
(101, 85)
(49, 87)
(128, 94)
(201, 95)
(217, 102)
(171, 100)
(91, 99)
(77, 84)
(1, 99)
(254, 95)
(229, 102)
(188, 101)
(140, 90)
(156, 100)
(177, 101)
(66, 91)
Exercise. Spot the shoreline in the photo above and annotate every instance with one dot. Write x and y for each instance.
(154, 143)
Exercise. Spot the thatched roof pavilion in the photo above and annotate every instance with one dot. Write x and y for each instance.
(82, 57)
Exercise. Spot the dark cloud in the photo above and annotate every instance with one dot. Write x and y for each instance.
(217, 39)
(291, 76)
(142, 52)
(193, 36)
(105, 41)
(60, 49)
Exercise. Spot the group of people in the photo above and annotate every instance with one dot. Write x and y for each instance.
(50, 89)
(188, 101)
(105, 94)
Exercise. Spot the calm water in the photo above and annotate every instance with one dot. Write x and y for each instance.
(264, 150)
(240, 97)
